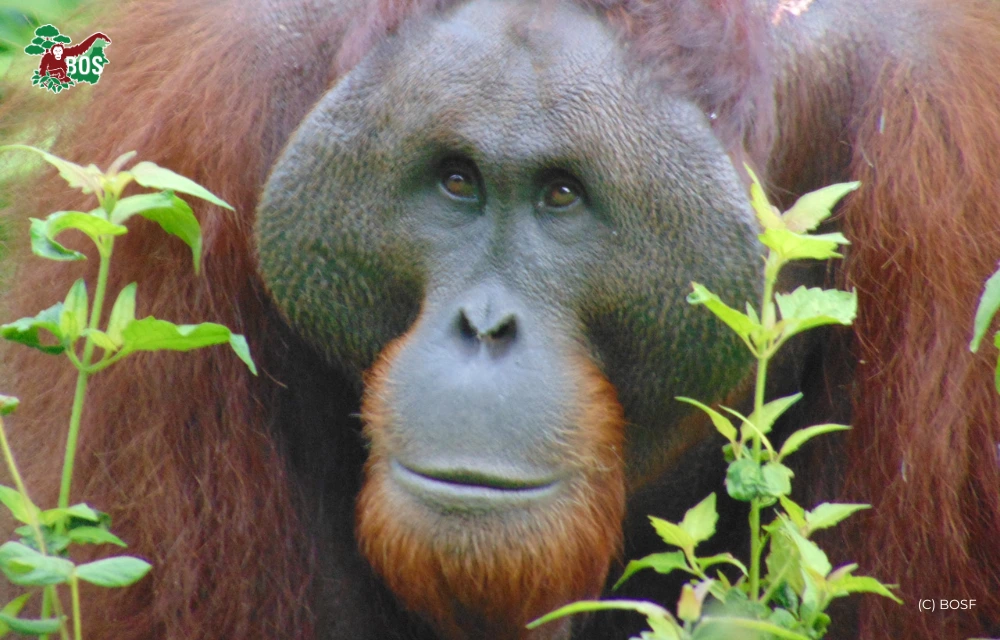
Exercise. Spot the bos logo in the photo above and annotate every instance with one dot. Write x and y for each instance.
(63, 65)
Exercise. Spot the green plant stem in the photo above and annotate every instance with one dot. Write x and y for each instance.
(768, 320)
(49, 595)
(74, 589)
(104, 248)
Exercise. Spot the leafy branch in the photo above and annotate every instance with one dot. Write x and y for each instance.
(40, 557)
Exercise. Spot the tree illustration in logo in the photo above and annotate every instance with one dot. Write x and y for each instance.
(63, 66)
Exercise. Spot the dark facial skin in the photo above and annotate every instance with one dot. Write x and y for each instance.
(501, 187)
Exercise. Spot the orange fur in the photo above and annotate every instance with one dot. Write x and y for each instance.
(924, 231)
(488, 579)
(184, 449)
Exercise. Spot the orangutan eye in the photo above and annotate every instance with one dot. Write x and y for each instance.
(561, 193)
(459, 184)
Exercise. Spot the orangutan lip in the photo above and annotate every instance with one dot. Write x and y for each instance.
(463, 485)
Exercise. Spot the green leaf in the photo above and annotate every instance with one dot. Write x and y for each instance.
(744, 480)
(73, 319)
(119, 162)
(738, 322)
(722, 424)
(26, 567)
(55, 543)
(828, 514)
(155, 177)
(120, 571)
(722, 558)
(100, 339)
(795, 512)
(648, 609)
(795, 246)
(11, 609)
(86, 179)
(777, 479)
(30, 627)
(771, 411)
(150, 334)
(699, 521)
(91, 224)
(8, 404)
(25, 330)
(167, 210)
(996, 378)
(673, 534)
(57, 516)
(804, 309)
(989, 303)
(800, 437)
(122, 314)
(811, 556)
(665, 563)
(239, 345)
(816, 206)
(688, 605)
(45, 247)
(862, 584)
(22, 509)
(766, 213)
(94, 535)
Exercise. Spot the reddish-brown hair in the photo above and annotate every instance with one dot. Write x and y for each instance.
(185, 450)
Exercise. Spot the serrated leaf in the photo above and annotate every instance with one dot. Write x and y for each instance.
(812, 557)
(800, 437)
(167, 210)
(87, 179)
(30, 627)
(665, 563)
(120, 571)
(73, 319)
(828, 514)
(722, 424)
(673, 534)
(94, 535)
(816, 206)
(26, 567)
(150, 334)
(699, 521)
(735, 320)
(155, 177)
(8, 404)
(989, 303)
(44, 247)
(863, 584)
(25, 330)
(770, 412)
(23, 510)
(805, 309)
(766, 213)
(122, 314)
(794, 512)
(795, 246)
